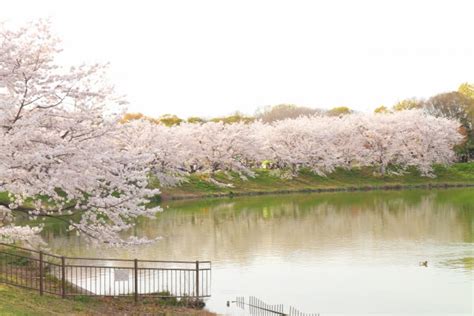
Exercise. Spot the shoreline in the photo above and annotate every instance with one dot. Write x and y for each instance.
(387, 187)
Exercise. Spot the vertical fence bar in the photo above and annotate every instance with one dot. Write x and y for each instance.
(41, 272)
(63, 277)
(136, 279)
(197, 279)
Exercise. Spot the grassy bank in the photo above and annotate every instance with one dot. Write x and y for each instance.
(18, 301)
(267, 182)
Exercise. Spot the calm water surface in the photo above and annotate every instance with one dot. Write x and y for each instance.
(335, 253)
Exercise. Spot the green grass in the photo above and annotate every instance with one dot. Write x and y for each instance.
(364, 178)
(4, 198)
(16, 301)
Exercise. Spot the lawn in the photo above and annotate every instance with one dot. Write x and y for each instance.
(18, 301)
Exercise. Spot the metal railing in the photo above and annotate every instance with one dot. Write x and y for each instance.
(68, 276)
(258, 307)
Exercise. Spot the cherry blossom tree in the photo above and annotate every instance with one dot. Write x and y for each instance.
(214, 146)
(61, 149)
(408, 139)
(380, 140)
(424, 140)
(166, 151)
(302, 143)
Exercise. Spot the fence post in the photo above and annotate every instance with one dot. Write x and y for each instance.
(197, 279)
(41, 272)
(63, 277)
(135, 270)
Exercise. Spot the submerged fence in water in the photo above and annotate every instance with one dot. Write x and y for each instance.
(67, 276)
(257, 307)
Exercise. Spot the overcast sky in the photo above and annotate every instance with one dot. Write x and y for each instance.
(212, 58)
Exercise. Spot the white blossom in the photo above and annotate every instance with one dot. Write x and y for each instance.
(60, 138)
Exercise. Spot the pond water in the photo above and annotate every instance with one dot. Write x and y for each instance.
(327, 253)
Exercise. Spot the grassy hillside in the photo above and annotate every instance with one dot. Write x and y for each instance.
(267, 181)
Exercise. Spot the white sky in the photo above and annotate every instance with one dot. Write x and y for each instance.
(211, 58)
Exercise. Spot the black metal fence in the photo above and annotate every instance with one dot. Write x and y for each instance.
(257, 307)
(67, 276)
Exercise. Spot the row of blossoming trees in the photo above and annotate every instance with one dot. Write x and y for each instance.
(63, 148)
(320, 143)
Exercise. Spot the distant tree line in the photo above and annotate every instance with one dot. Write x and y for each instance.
(266, 114)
